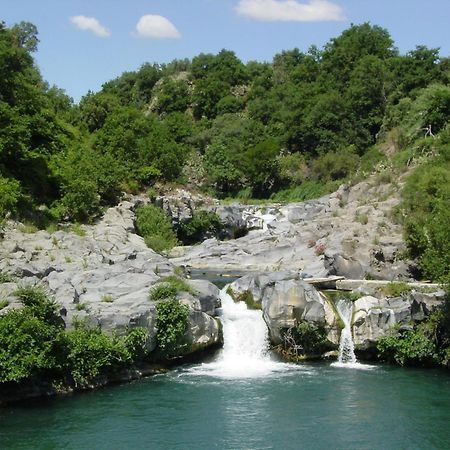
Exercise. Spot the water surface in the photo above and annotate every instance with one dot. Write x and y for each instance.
(244, 399)
(311, 406)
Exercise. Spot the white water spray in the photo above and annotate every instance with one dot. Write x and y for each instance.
(246, 344)
(346, 347)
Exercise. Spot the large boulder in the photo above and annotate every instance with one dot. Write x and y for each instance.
(286, 299)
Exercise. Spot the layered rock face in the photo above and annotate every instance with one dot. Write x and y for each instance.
(347, 233)
(376, 317)
(103, 274)
(286, 299)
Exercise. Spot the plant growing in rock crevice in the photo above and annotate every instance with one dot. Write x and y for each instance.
(304, 340)
(169, 287)
(172, 324)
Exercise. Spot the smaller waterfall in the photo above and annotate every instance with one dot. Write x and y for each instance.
(346, 347)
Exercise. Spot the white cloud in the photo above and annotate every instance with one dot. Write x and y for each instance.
(156, 27)
(290, 10)
(90, 24)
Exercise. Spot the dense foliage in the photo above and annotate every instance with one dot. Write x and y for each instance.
(172, 324)
(34, 345)
(155, 227)
(427, 344)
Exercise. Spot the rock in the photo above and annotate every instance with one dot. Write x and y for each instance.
(376, 317)
(204, 331)
(103, 275)
(343, 266)
(208, 295)
(305, 235)
(285, 300)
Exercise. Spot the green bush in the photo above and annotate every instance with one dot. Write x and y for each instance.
(37, 302)
(9, 196)
(411, 348)
(31, 339)
(426, 216)
(155, 227)
(337, 165)
(35, 346)
(311, 337)
(168, 288)
(90, 351)
(201, 224)
(172, 323)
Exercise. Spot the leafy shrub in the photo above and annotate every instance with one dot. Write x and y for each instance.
(135, 343)
(203, 223)
(31, 339)
(311, 336)
(9, 195)
(37, 302)
(426, 216)
(410, 348)
(172, 326)
(335, 165)
(155, 227)
(308, 337)
(168, 288)
(91, 351)
(162, 292)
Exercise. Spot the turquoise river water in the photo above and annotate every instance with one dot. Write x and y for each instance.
(312, 406)
(243, 399)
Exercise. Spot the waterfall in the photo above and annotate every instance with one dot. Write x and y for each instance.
(346, 348)
(245, 353)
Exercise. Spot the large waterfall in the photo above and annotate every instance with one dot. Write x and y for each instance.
(245, 353)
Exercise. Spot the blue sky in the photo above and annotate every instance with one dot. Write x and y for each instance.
(84, 43)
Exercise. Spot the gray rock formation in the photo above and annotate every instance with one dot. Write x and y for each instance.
(376, 317)
(348, 232)
(103, 274)
(286, 299)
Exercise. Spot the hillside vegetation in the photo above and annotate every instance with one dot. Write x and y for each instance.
(291, 129)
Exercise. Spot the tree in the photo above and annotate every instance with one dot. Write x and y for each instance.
(95, 108)
(261, 167)
(26, 35)
(341, 54)
(172, 96)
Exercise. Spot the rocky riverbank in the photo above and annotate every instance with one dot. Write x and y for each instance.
(349, 232)
(102, 274)
(287, 300)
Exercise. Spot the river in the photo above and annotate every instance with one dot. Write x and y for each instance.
(244, 399)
